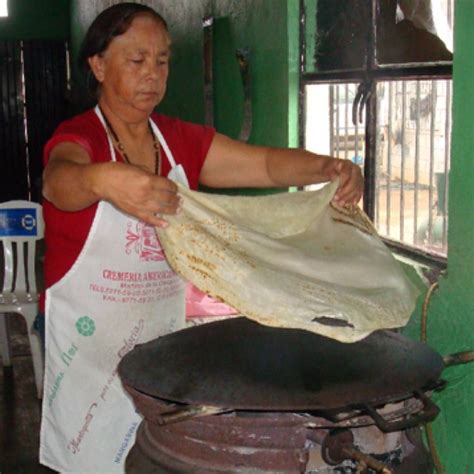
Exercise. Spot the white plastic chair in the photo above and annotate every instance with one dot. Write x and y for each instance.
(21, 225)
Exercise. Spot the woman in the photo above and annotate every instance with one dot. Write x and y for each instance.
(106, 183)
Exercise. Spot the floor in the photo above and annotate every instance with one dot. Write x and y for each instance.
(20, 410)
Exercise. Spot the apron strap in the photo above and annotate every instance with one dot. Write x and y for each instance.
(163, 143)
(98, 112)
(177, 172)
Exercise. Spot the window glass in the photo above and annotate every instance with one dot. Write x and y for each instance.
(329, 126)
(3, 8)
(342, 29)
(414, 31)
(340, 35)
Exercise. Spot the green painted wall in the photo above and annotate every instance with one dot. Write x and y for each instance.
(451, 307)
(451, 311)
(261, 26)
(310, 7)
(293, 71)
(36, 19)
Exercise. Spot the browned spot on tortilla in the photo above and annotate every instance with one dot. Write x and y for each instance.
(201, 272)
(200, 261)
(353, 216)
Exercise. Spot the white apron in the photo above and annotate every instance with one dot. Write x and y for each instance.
(119, 292)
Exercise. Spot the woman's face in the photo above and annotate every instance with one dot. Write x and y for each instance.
(133, 70)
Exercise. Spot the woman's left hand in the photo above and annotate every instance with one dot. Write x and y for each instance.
(230, 163)
(351, 181)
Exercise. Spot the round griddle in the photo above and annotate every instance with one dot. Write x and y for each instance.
(239, 364)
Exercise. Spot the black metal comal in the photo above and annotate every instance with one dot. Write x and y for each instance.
(267, 399)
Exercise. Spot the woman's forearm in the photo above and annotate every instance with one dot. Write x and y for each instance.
(72, 186)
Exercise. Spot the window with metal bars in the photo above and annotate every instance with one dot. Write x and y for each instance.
(387, 108)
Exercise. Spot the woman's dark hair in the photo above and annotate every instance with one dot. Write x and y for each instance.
(113, 21)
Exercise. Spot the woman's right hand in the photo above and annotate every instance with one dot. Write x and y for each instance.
(138, 192)
(72, 183)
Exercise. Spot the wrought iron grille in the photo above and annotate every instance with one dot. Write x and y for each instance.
(412, 152)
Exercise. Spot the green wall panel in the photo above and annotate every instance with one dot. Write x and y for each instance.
(451, 311)
(261, 26)
(185, 96)
(293, 72)
(35, 19)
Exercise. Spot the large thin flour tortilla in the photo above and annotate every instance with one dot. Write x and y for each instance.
(290, 260)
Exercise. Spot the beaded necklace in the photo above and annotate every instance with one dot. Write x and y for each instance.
(121, 148)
